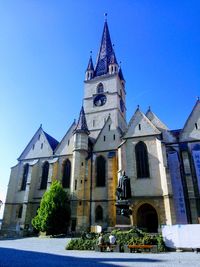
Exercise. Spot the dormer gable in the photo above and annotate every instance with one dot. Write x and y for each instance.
(108, 138)
(65, 147)
(41, 145)
(166, 133)
(191, 129)
(140, 125)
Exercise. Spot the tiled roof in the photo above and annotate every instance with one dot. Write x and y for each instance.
(121, 74)
(52, 141)
(90, 64)
(106, 52)
(82, 123)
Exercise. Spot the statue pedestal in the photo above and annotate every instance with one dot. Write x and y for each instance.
(123, 213)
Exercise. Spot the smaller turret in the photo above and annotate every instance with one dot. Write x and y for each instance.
(89, 74)
(113, 66)
(81, 133)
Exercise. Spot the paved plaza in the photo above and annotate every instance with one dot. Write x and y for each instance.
(49, 252)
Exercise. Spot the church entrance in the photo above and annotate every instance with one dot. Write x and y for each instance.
(147, 218)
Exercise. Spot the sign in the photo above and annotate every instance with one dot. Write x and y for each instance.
(196, 158)
(177, 188)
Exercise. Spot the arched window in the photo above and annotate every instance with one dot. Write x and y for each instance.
(45, 173)
(98, 214)
(100, 88)
(100, 171)
(66, 174)
(25, 176)
(142, 160)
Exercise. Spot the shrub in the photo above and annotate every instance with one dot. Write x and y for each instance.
(131, 237)
(53, 215)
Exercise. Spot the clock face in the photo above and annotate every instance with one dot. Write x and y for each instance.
(122, 105)
(100, 100)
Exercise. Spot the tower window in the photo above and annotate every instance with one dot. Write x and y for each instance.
(100, 171)
(139, 126)
(142, 164)
(68, 142)
(113, 136)
(45, 173)
(80, 203)
(93, 123)
(25, 177)
(66, 174)
(100, 88)
(39, 137)
(33, 146)
(104, 138)
(196, 126)
(41, 146)
(109, 127)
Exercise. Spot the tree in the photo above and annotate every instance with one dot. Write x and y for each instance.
(53, 215)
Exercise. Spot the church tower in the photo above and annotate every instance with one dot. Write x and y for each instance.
(104, 94)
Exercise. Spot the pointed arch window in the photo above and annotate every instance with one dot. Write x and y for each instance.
(100, 171)
(142, 163)
(100, 88)
(98, 214)
(25, 177)
(45, 173)
(66, 174)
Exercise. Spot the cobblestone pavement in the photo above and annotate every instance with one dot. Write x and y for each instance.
(28, 252)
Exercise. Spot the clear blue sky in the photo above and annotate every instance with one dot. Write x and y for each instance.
(44, 51)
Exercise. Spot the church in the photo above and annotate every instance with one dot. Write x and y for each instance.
(161, 165)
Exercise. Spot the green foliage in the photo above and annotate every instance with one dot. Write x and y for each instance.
(131, 237)
(81, 244)
(53, 215)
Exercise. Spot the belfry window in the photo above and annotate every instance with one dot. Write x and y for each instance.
(100, 171)
(100, 88)
(45, 173)
(98, 214)
(25, 177)
(66, 174)
(142, 164)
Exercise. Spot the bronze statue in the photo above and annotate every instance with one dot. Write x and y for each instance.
(124, 187)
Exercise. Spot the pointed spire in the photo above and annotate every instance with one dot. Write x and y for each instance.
(105, 52)
(81, 126)
(90, 63)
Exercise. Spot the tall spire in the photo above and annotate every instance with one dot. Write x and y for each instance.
(106, 53)
(81, 126)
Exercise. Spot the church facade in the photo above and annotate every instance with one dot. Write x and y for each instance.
(163, 165)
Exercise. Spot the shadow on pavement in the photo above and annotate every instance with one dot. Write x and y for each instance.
(20, 258)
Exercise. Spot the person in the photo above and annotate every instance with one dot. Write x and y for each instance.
(100, 240)
(124, 187)
(112, 239)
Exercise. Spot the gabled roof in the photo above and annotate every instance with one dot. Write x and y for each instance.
(82, 123)
(155, 120)
(191, 129)
(140, 125)
(49, 140)
(106, 53)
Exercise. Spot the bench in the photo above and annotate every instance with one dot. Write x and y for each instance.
(140, 248)
(105, 247)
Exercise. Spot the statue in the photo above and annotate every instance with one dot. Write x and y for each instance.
(124, 187)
